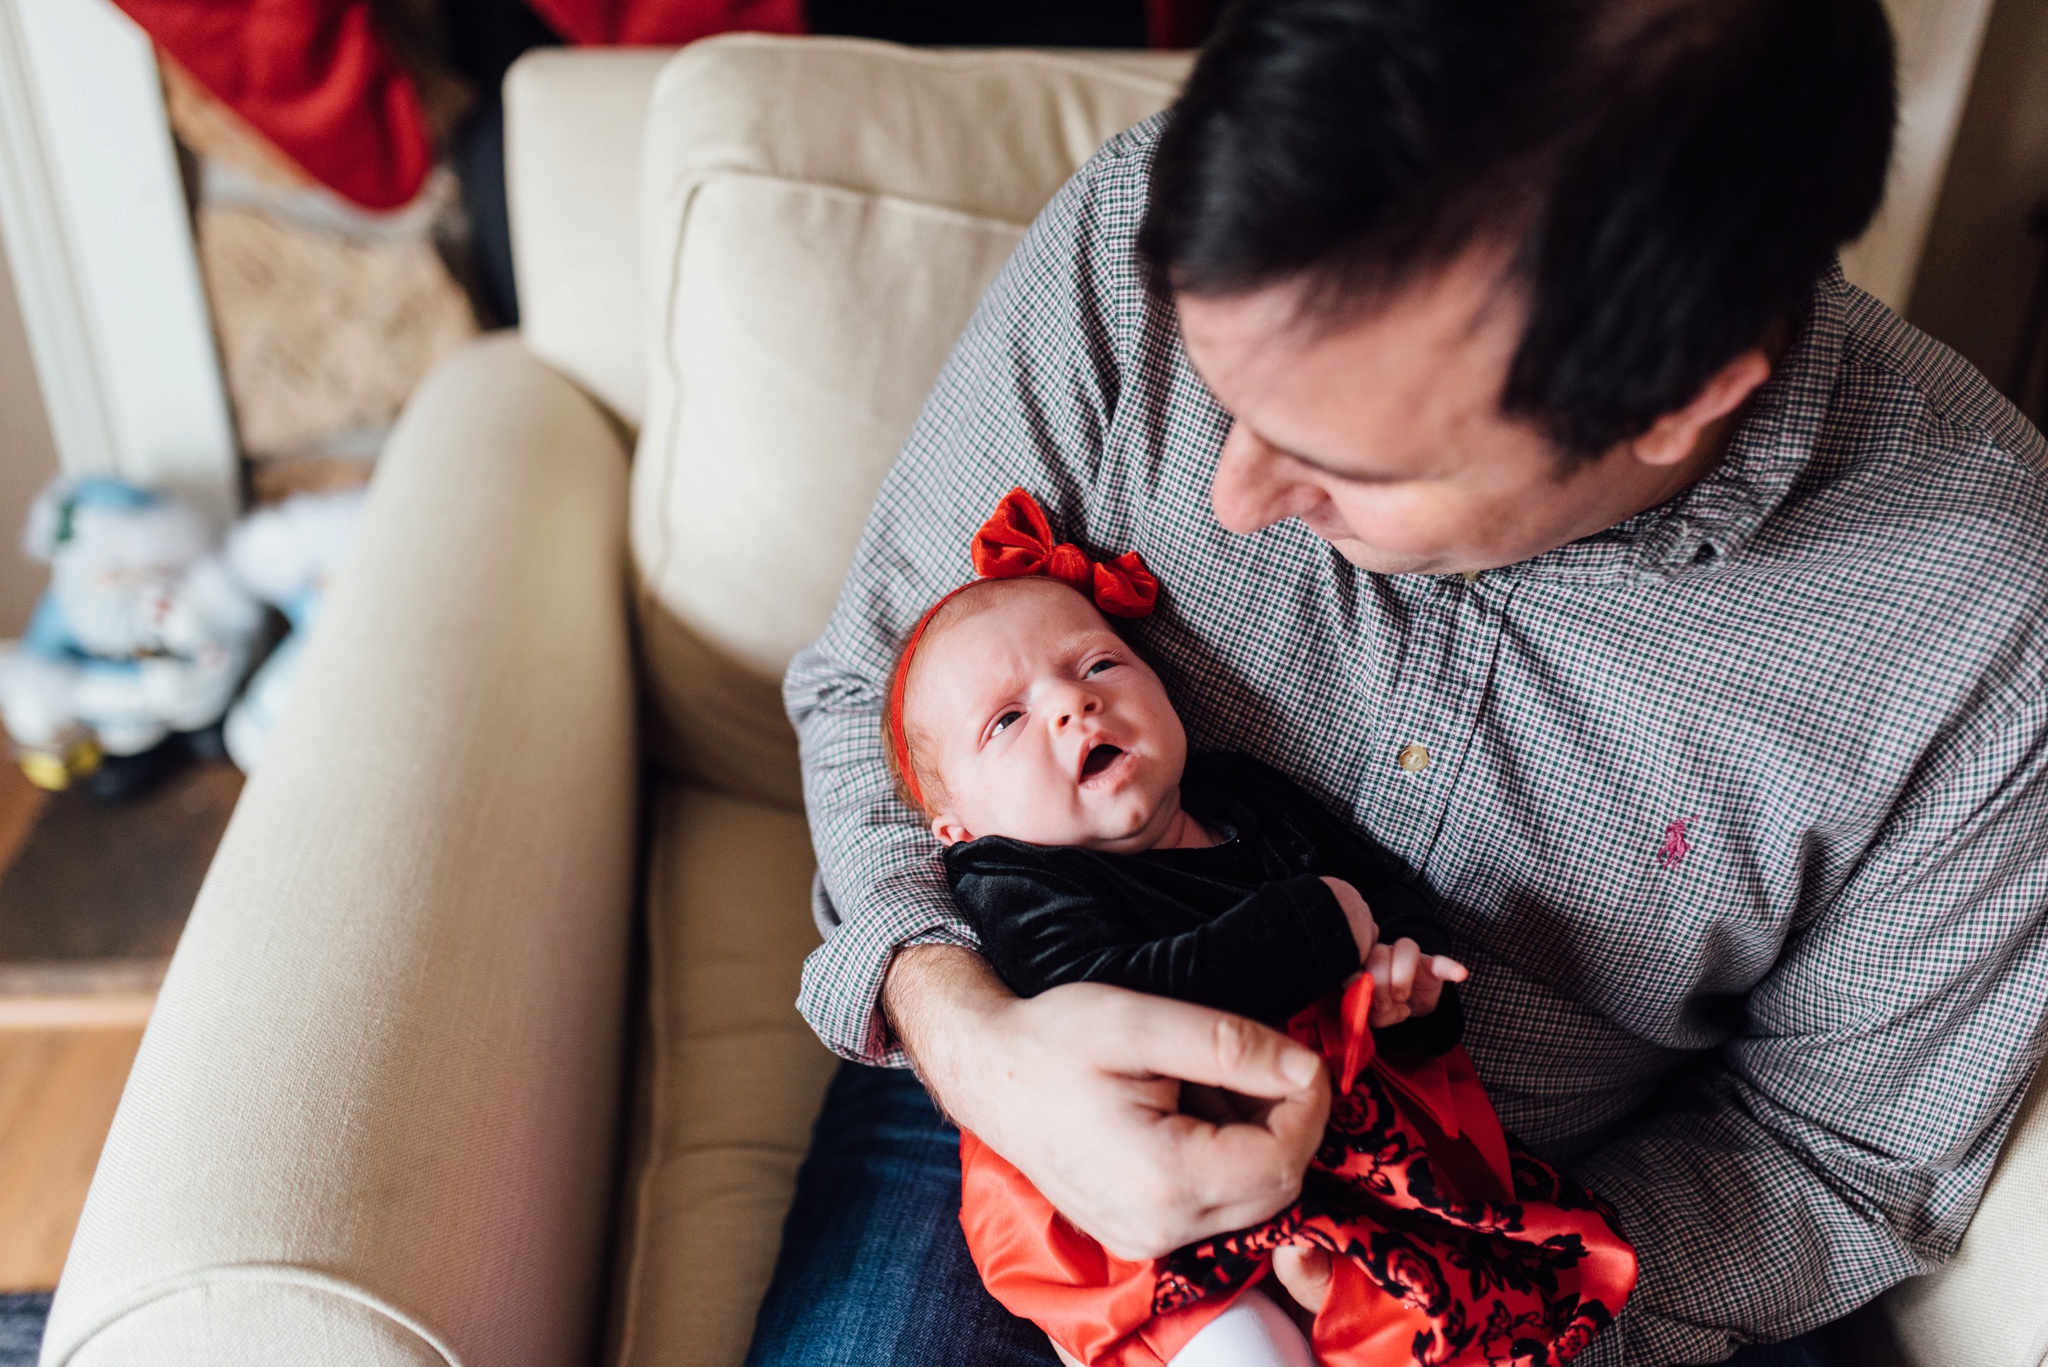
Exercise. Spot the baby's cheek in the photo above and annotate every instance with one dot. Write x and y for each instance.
(1011, 799)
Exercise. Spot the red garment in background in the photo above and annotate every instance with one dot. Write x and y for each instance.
(314, 78)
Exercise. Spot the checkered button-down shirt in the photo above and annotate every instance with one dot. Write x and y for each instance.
(1737, 810)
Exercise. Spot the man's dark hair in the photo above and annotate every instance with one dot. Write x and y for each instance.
(1672, 176)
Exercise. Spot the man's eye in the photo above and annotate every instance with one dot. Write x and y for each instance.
(1098, 667)
(1003, 722)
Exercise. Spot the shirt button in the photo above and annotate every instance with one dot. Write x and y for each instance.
(1413, 758)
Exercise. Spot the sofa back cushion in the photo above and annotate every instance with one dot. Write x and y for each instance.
(819, 217)
(574, 119)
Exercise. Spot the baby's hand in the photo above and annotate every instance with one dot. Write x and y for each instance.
(1406, 982)
(1364, 929)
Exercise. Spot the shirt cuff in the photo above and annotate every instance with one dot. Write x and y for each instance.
(1333, 955)
(841, 995)
(1439, 1032)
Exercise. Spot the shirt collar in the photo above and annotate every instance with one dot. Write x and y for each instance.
(1715, 517)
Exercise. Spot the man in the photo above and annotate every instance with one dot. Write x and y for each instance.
(1525, 480)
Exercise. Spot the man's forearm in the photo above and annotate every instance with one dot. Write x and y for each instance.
(939, 1001)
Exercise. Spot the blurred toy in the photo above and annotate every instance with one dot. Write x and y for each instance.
(286, 556)
(134, 649)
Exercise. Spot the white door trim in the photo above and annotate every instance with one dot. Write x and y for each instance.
(100, 241)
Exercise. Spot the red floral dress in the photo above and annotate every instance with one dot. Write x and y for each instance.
(1449, 1246)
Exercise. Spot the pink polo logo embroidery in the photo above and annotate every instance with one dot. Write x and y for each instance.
(1676, 847)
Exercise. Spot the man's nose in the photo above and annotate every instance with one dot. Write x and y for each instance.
(1253, 487)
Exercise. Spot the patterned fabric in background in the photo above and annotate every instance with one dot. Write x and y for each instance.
(1738, 810)
(326, 317)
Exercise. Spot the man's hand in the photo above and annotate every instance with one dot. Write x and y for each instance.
(1081, 1089)
(1406, 982)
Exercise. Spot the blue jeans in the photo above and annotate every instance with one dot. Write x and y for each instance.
(874, 1271)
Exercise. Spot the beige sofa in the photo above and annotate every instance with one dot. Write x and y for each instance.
(385, 1112)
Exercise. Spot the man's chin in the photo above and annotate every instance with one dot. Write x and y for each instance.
(1325, 523)
(1378, 560)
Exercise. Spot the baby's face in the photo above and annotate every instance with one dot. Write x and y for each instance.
(1042, 725)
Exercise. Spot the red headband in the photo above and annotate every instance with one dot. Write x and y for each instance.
(1016, 543)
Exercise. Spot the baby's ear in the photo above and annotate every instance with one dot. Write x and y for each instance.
(949, 831)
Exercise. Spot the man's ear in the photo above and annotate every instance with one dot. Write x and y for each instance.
(1676, 435)
(949, 830)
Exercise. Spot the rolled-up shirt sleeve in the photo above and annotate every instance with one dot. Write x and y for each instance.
(1840, 1144)
(1025, 399)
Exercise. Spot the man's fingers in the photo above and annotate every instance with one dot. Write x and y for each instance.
(1174, 1039)
(1241, 1174)
(1448, 969)
(1200, 1178)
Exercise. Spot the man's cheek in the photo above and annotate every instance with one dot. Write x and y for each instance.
(1399, 521)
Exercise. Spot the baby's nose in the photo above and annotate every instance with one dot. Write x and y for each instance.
(1077, 703)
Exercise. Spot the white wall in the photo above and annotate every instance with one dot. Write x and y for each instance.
(1938, 42)
(28, 460)
(1981, 262)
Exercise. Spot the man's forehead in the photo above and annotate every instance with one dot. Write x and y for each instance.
(1400, 374)
(1469, 305)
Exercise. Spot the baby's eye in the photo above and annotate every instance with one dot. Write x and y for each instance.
(1003, 722)
(1098, 667)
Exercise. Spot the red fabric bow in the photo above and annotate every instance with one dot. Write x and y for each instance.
(1016, 543)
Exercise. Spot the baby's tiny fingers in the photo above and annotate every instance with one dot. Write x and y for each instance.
(1448, 969)
(1407, 955)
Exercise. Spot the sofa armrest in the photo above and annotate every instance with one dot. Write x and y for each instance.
(373, 1119)
(1985, 1307)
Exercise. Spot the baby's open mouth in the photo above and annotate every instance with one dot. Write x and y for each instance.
(1099, 758)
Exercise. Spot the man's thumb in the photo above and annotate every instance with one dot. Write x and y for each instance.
(1197, 1044)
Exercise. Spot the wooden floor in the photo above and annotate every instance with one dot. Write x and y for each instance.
(57, 1095)
(65, 1052)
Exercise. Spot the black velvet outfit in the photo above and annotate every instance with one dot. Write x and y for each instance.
(1246, 926)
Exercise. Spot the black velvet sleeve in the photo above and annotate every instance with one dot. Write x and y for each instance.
(1439, 1032)
(1284, 812)
(1400, 911)
(1266, 957)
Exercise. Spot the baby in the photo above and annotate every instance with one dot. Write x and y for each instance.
(1086, 845)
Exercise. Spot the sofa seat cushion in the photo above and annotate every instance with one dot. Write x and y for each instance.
(730, 1077)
